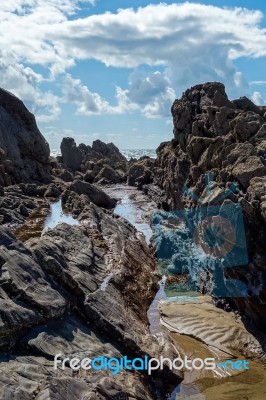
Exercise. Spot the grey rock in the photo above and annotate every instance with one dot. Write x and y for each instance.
(52, 191)
(89, 176)
(109, 174)
(66, 176)
(140, 172)
(219, 144)
(94, 194)
(53, 302)
(24, 153)
(251, 168)
(72, 156)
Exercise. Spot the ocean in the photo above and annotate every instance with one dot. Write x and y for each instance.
(128, 153)
(137, 153)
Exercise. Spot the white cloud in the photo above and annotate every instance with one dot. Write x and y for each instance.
(143, 87)
(193, 42)
(23, 7)
(257, 99)
(260, 83)
(150, 93)
(89, 103)
(24, 83)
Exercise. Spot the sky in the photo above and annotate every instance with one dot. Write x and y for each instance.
(111, 69)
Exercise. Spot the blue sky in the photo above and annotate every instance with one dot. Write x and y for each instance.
(111, 69)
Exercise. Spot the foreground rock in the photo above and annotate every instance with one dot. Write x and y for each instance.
(24, 153)
(217, 158)
(18, 202)
(79, 291)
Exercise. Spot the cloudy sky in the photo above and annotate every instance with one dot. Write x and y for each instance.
(111, 69)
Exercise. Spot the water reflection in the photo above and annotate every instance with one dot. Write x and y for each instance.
(57, 216)
(45, 217)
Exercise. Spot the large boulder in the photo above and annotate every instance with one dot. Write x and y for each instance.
(24, 153)
(95, 195)
(140, 172)
(251, 168)
(108, 150)
(72, 156)
(108, 175)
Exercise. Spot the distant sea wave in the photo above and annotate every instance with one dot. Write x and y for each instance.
(137, 153)
(129, 153)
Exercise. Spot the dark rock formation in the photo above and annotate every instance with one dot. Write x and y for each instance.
(52, 192)
(82, 292)
(72, 156)
(108, 175)
(24, 153)
(66, 176)
(95, 195)
(84, 158)
(218, 158)
(140, 172)
(17, 203)
(107, 150)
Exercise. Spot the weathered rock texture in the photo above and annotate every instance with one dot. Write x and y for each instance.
(24, 153)
(140, 172)
(90, 192)
(102, 162)
(80, 291)
(217, 145)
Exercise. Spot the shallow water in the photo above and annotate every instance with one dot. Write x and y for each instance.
(132, 206)
(57, 216)
(43, 218)
(153, 312)
(247, 385)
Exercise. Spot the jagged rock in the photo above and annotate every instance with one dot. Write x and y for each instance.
(109, 174)
(252, 167)
(83, 157)
(72, 156)
(24, 153)
(66, 176)
(194, 102)
(89, 176)
(101, 155)
(16, 204)
(108, 150)
(96, 195)
(140, 172)
(53, 192)
(219, 143)
(23, 210)
(246, 104)
(245, 125)
(65, 307)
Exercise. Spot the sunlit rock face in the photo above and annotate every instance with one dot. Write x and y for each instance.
(215, 167)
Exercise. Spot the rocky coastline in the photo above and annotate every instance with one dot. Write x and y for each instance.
(85, 289)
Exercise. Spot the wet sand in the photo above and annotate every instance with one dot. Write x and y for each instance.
(197, 327)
